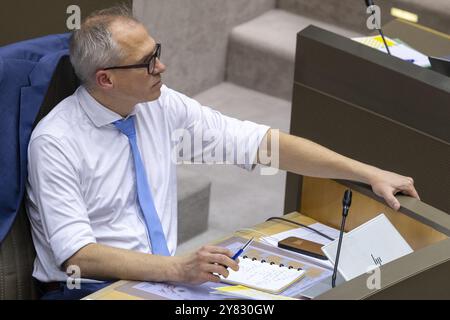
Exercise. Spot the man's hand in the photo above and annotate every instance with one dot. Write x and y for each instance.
(199, 267)
(386, 184)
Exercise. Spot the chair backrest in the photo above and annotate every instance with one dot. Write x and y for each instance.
(16, 261)
(63, 84)
(17, 251)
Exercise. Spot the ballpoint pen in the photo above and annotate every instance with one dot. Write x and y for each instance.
(239, 252)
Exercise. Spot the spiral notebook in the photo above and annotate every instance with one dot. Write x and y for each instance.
(264, 276)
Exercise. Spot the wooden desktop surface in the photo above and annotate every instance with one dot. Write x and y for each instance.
(268, 228)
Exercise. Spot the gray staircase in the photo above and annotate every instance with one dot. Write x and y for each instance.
(261, 53)
(193, 203)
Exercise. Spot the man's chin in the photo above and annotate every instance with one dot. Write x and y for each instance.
(153, 97)
(156, 96)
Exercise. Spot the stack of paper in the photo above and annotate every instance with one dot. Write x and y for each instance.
(397, 49)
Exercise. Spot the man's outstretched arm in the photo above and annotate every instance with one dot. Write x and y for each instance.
(301, 156)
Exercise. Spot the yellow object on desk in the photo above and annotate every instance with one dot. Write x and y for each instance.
(248, 293)
(375, 42)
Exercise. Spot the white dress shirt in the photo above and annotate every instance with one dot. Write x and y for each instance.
(81, 186)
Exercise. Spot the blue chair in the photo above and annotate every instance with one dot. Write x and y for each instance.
(35, 75)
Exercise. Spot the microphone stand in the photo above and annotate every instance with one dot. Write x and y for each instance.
(346, 202)
(384, 40)
(370, 4)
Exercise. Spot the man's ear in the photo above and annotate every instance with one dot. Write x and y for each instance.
(104, 79)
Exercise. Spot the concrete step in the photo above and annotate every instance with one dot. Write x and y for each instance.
(193, 204)
(239, 198)
(199, 240)
(261, 53)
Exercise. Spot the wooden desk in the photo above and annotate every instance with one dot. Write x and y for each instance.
(268, 228)
(429, 261)
(392, 114)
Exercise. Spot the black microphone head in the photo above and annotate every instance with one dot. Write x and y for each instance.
(369, 3)
(347, 200)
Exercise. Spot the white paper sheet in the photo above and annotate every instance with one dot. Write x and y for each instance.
(397, 49)
(375, 242)
(182, 292)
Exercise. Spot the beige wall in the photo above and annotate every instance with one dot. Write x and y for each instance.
(194, 36)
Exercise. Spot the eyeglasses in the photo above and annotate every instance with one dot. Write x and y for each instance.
(150, 65)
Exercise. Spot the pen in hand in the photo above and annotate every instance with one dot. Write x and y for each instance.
(239, 252)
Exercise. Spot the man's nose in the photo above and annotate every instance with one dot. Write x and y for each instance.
(159, 67)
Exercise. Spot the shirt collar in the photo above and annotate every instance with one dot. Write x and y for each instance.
(97, 113)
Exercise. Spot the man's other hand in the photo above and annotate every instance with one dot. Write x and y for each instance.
(386, 184)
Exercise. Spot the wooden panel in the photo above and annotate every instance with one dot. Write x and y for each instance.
(345, 70)
(24, 19)
(373, 139)
(322, 201)
(346, 112)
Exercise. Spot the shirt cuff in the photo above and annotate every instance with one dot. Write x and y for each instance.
(254, 141)
(65, 246)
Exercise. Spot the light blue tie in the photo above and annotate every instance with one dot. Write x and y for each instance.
(157, 238)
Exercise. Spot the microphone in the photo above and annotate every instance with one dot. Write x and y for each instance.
(371, 6)
(346, 202)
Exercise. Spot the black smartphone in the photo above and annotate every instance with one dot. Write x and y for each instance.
(302, 246)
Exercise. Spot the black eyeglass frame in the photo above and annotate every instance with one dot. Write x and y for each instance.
(150, 65)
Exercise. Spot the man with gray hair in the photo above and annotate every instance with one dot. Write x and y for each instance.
(101, 192)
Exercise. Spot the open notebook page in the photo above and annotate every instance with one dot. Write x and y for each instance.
(263, 276)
